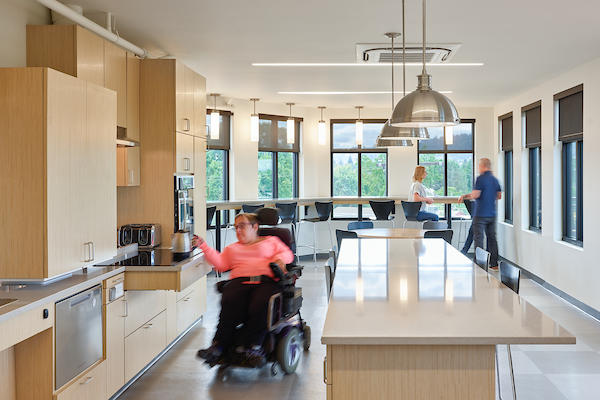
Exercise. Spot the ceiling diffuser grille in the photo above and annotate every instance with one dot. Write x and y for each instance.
(382, 53)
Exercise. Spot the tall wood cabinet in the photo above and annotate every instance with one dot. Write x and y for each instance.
(172, 118)
(58, 186)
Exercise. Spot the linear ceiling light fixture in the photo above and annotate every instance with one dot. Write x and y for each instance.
(359, 128)
(424, 107)
(356, 92)
(254, 122)
(215, 119)
(322, 127)
(291, 126)
(408, 64)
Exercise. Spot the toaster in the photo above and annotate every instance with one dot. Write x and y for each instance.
(145, 235)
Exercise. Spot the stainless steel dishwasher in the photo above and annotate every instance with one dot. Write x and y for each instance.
(78, 333)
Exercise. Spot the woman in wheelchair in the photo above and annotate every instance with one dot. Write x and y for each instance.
(246, 295)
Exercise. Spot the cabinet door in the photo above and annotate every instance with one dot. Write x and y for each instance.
(115, 346)
(133, 97)
(200, 185)
(128, 166)
(115, 78)
(99, 192)
(91, 386)
(65, 174)
(89, 56)
(184, 145)
(144, 344)
(183, 98)
(199, 106)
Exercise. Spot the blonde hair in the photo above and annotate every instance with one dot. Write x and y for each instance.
(486, 163)
(419, 173)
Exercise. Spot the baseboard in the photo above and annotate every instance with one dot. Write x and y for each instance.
(568, 298)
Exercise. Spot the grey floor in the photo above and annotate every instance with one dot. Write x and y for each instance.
(542, 372)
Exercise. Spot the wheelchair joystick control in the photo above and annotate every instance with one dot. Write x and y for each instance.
(277, 271)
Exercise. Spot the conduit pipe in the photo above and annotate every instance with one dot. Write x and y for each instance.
(92, 26)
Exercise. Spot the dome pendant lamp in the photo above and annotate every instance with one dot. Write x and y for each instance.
(254, 123)
(424, 107)
(215, 120)
(322, 127)
(291, 126)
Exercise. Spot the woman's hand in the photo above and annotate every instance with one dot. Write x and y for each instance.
(428, 200)
(197, 241)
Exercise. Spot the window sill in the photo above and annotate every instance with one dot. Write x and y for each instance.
(570, 245)
(505, 223)
(537, 232)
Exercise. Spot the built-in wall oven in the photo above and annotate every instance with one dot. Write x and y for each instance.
(78, 328)
(184, 203)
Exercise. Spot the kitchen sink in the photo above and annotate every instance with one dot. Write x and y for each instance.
(5, 302)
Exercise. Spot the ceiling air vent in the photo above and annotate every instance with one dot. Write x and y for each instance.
(382, 53)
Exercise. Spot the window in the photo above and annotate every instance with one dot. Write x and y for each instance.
(217, 162)
(277, 159)
(532, 123)
(449, 166)
(505, 122)
(569, 107)
(357, 170)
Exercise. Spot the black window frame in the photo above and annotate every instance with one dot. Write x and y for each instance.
(445, 153)
(535, 173)
(358, 150)
(578, 240)
(223, 144)
(505, 128)
(274, 149)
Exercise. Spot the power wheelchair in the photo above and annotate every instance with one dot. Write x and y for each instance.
(287, 333)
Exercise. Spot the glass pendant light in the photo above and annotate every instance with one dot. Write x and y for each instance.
(215, 119)
(424, 107)
(322, 127)
(449, 135)
(359, 128)
(291, 126)
(254, 123)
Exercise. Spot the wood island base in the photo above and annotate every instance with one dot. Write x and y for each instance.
(415, 372)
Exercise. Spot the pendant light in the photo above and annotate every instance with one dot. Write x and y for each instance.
(449, 135)
(291, 126)
(215, 119)
(359, 128)
(381, 142)
(424, 107)
(322, 127)
(254, 123)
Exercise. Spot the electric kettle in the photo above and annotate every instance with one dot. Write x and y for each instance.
(182, 244)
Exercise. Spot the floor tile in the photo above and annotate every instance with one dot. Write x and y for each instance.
(566, 362)
(577, 387)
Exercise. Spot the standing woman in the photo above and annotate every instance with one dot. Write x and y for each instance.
(418, 192)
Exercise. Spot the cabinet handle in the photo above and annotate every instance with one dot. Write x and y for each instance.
(186, 299)
(87, 380)
(187, 124)
(126, 308)
(93, 247)
(186, 164)
(87, 252)
(325, 381)
(130, 177)
(149, 325)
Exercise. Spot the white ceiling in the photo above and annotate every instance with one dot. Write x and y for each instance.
(522, 43)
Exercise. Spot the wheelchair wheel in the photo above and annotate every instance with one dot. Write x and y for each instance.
(289, 351)
(306, 331)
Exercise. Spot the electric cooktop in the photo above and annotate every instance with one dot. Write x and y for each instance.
(151, 258)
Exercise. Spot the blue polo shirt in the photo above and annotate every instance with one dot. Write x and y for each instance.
(485, 205)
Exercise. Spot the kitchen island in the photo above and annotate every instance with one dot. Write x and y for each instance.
(415, 319)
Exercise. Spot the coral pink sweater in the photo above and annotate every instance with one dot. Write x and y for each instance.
(249, 259)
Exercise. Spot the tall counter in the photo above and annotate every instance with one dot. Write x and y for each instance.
(415, 319)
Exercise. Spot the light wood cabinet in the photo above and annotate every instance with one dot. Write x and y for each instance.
(67, 48)
(184, 145)
(142, 306)
(144, 344)
(191, 306)
(115, 78)
(91, 386)
(133, 97)
(128, 166)
(200, 186)
(59, 173)
(115, 345)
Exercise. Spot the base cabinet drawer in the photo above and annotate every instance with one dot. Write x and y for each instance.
(141, 306)
(144, 344)
(91, 386)
(192, 306)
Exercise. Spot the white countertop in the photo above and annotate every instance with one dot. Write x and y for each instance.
(424, 291)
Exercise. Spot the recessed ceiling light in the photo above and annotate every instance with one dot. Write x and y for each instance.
(370, 92)
(408, 64)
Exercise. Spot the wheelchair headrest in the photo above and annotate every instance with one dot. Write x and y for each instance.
(268, 216)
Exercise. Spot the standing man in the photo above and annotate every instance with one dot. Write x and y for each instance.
(485, 193)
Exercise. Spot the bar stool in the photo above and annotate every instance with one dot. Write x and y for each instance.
(246, 208)
(383, 210)
(287, 215)
(469, 205)
(210, 214)
(360, 225)
(411, 210)
(324, 211)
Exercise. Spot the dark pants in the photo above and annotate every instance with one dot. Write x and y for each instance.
(244, 303)
(427, 216)
(487, 225)
(469, 240)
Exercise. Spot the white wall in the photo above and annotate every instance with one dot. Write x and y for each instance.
(14, 16)
(571, 269)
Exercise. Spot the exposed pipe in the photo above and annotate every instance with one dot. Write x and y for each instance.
(92, 26)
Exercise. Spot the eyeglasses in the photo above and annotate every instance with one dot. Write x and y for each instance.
(242, 225)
